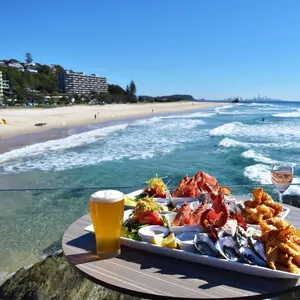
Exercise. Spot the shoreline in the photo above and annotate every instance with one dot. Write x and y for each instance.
(65, 121)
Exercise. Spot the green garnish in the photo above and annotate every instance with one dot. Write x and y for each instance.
(146, 204)
(157, 183)
(132, 229)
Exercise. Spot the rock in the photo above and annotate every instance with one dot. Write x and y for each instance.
(53, 278)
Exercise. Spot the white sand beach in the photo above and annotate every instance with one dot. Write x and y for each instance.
(23, 120)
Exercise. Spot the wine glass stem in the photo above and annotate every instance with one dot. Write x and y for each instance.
(280, 197)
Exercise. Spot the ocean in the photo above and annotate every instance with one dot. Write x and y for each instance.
(236, 143)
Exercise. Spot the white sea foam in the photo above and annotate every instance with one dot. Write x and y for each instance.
(239, 112)
(190, 115)
(142, 139)
(222, 108)
(227, 143)
(263, 132)
(261, 158)
(275, 108)
(166, 123)
(258, 173)
(294, 189)
(4, 276)
(183, 125)
(72, 141)
(260, 104)
(257, 157)
(148, 121)
(252, 109)
(229, 129)
(295, 114)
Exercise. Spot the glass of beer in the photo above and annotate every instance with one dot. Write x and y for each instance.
(107, 208)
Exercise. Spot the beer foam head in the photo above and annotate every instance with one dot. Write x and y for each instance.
(107, 196)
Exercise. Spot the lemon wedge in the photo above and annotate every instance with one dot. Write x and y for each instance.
(298, 232)
(157, 240)
(165, 208)
(129, 202)
(170, 241)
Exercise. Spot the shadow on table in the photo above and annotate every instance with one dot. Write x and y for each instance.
(86, 242)
(212, 276)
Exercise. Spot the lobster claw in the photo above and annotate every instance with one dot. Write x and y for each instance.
(216, 216)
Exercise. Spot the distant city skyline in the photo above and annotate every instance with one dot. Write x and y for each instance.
(211, 50)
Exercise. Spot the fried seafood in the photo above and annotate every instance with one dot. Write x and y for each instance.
(296, 240)
(262, 207)
(282, 248)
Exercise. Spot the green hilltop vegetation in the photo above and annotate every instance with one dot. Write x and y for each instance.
(43, 87)
(45, 81)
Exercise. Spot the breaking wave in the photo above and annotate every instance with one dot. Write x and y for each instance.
(263, 132)
(257, 157)
(72, 141)
(295, 114)
(227, 143)
(142, 139)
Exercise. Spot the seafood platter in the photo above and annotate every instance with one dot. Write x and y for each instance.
(203, 223)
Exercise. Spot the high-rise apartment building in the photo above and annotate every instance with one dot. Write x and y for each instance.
(4, 87)
(81, 83)
(1, 86)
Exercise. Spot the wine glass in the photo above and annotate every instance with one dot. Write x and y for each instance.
(282, 176)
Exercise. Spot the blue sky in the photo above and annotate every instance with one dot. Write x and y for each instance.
(212, 49)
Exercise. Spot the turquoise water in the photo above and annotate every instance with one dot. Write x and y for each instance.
(230, 142)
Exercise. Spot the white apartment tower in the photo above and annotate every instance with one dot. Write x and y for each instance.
(81, 83)
(1, 86)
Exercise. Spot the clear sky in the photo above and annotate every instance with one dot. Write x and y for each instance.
(212, 49)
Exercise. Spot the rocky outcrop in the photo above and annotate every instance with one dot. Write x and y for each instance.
(53, 278)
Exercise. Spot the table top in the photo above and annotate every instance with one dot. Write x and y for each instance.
(152, 276)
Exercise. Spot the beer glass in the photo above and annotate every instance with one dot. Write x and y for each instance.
(107, 208)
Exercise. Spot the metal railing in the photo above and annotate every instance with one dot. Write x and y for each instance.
(123, 187)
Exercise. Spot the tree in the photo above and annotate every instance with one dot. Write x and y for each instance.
(116, 89)
(63, 100)
(12, 60)
(132, 88)
(44, 69)
(131, 99)
(127, 90)
(104, 97)
(28, 58)
(77, 99)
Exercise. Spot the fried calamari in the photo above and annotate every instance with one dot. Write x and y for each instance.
(282, 245)
(262, 207)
